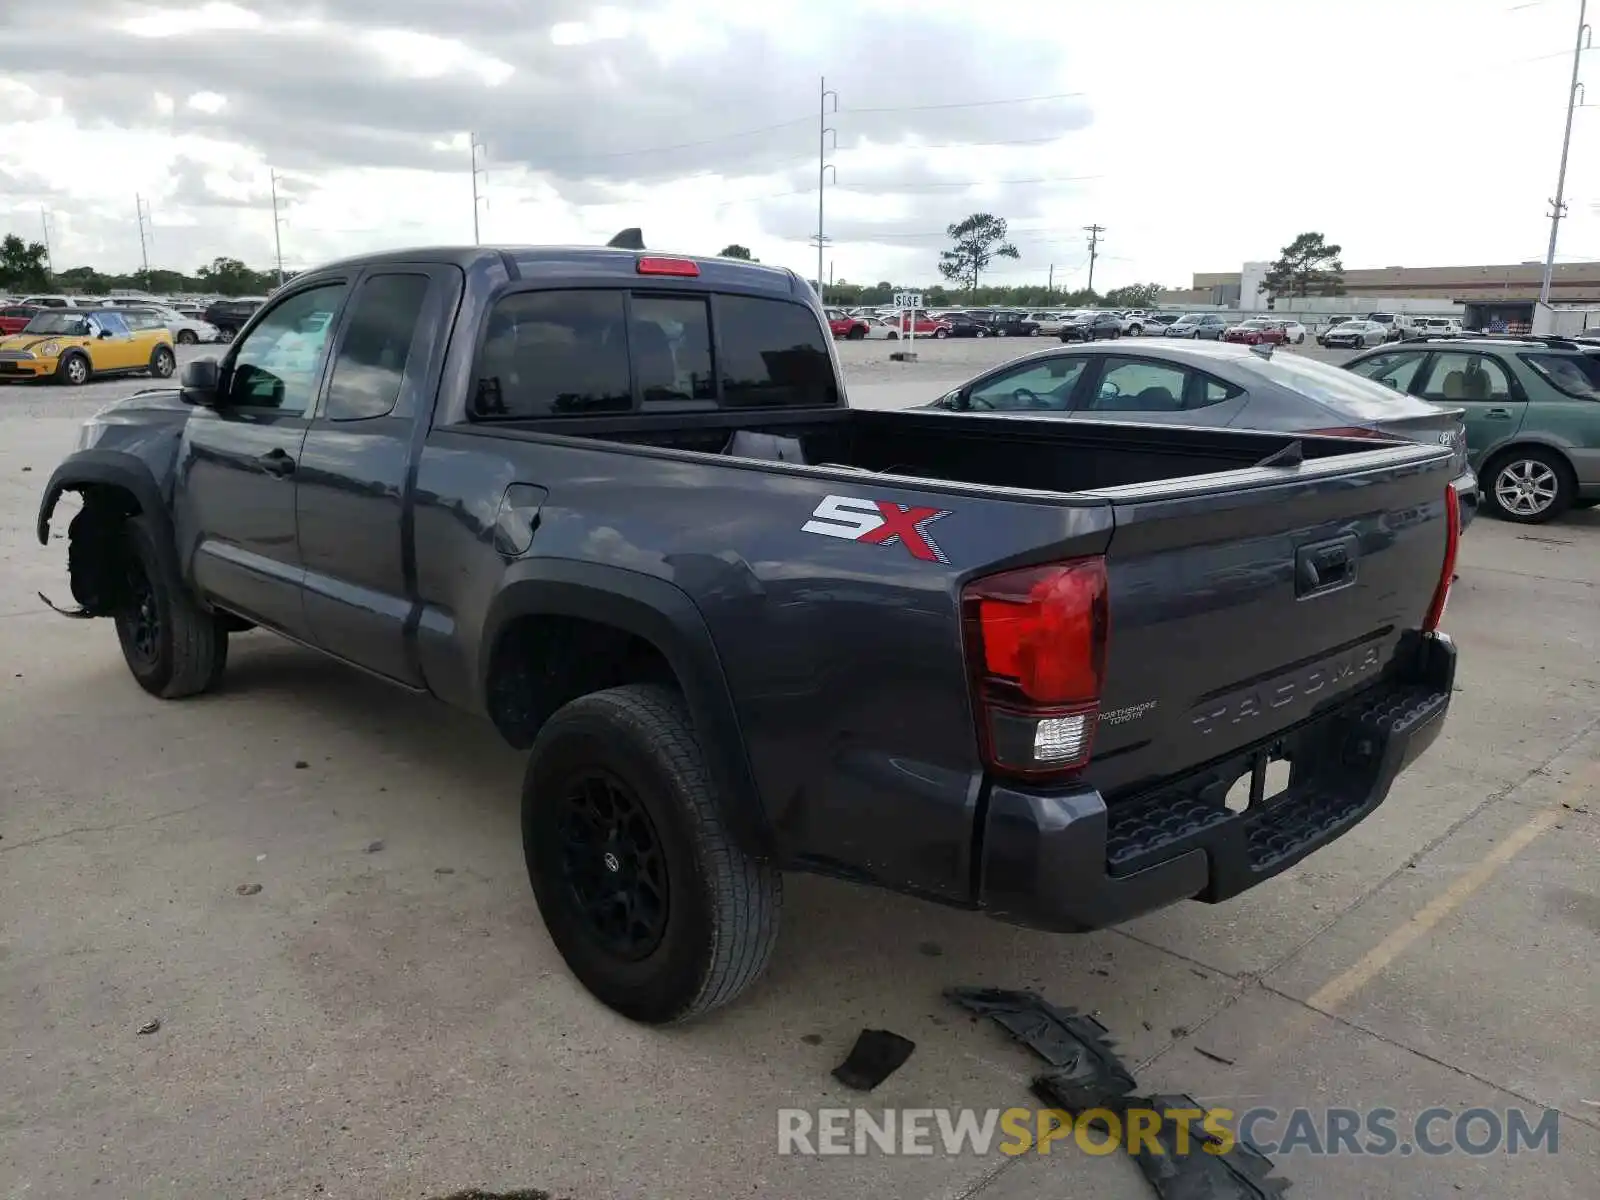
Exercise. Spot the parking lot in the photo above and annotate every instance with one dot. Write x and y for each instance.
(315, 884)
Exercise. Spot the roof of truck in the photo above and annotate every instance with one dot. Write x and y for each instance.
(602, 261)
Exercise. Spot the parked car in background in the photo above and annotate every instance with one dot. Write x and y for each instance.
(1006, 323)
(1156, 323)
(58, 301)
(1531, 408)
(922, 323)
(1090, 327)
(1354, 335)
(965, 325)
(842, 325)
(1396, 326)
(1200, 326)
(1438, 325)
(1225, 385)
(879, 330)
(1256, 331)
(1134, 323)
(71, 346)
(1293, 331)
(15, 317)
(230, 316)
(186, 331)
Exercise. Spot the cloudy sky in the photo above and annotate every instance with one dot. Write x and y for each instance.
(1201, 133)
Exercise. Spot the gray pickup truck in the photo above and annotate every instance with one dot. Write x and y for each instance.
(616, 502)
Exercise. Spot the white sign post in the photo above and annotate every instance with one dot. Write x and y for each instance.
(909, 302)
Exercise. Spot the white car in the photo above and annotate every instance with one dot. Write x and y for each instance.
(1049, 323)
(1355, 334)
(880, 330)
(1293, 332)
(186, 331)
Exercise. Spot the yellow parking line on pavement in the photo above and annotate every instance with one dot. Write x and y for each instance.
(1340, 988)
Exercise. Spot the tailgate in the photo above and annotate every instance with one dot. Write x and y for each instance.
(1243, 603)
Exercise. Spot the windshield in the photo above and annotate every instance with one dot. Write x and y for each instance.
(1187, 319)
(58, 321)
(1253, 324)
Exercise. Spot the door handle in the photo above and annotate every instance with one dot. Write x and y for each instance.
(1499, 414)
(277, 462)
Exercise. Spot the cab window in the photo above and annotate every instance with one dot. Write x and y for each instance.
(1395, 370)
(278, 363)
(1139, 385)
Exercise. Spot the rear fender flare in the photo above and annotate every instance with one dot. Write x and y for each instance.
(665, 616)
(112, 469)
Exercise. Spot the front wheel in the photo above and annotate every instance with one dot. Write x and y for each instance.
(73, 370)
(226, 335)
(856, 333)
(1529, 486)
(941, 333)
(172, 648)
(651, 903)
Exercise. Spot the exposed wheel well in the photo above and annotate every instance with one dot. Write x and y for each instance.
(96, 546)
(543, 661)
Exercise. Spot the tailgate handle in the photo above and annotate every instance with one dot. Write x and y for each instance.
(1325, 566)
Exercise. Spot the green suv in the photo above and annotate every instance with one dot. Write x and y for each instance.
(1532, 413)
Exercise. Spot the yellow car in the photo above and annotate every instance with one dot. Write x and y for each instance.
(72, 346)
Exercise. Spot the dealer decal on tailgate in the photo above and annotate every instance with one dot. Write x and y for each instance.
(879, 523)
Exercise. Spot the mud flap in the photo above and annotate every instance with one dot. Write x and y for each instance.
(1243, 1173)
(77, 614)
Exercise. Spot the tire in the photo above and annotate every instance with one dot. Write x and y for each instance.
(893, 336)
(186, 337)
(708, 912)
(941, 333)
(1538, 484)
(1584, 504)
(980, 333)
(1000, 332)
(1136, 331)
(856, 333)
(1195, 336)
(162, 363)
(1034, 332)
(172, 648)
(73, 370)
(225, 335)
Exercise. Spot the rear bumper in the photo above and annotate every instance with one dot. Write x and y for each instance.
(1067, 862)
(1467, 496)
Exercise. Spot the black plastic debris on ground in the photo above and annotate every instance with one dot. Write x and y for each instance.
(1243, 1173)
(876, 1055)
(1089, 1074)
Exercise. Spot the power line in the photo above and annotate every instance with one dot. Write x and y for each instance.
(966, 104)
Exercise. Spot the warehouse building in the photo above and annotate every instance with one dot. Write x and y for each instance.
(1482, 296)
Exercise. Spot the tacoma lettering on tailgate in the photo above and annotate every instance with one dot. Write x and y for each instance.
(1298, 687)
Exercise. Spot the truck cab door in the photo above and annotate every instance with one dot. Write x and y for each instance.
(353, 503)
(234, 499)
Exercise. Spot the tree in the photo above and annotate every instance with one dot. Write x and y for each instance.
(1135, 295)
(977, 241)
(734, 250)
(1308, 266)
(231, 277)
(22, 265)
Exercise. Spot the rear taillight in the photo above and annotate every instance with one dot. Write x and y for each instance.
(1036, 642)
(656, 265)
(1447, 573)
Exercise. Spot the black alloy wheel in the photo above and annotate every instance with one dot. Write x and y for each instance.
(613, 866)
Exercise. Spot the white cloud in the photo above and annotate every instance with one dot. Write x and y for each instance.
(1206, 134)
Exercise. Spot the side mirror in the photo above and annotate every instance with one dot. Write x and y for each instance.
(198, 383)
(105, 333)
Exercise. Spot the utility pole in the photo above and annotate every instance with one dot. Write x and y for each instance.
(1558, 206)
(143, 211)
(1050, 287)
(475, 146)
(277, 226)
(824, 166)
(1094, 232)
(49, 255)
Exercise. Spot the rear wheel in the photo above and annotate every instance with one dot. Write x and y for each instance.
(1529, 486)
(162, 363)
(644, 892)
(186, 337)
(172, 648)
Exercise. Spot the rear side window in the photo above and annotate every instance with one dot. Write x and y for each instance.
(371, 363)
(1576, 375)
(772, 355)
(560, 353)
